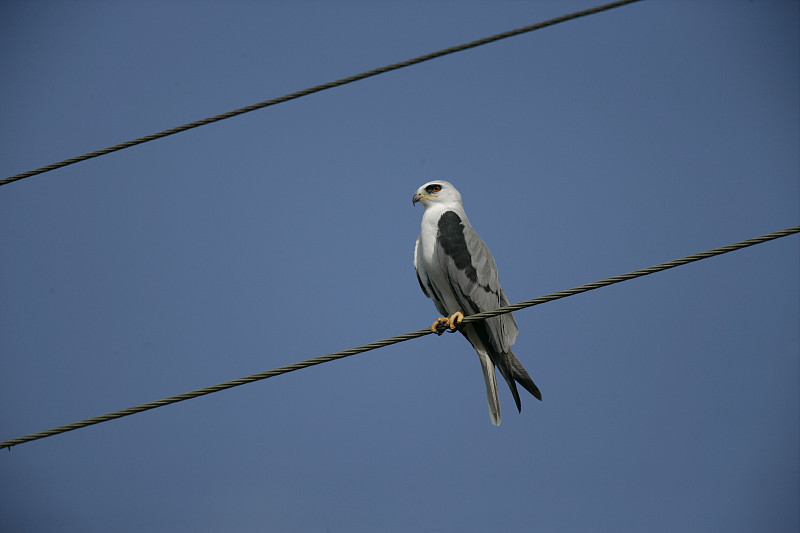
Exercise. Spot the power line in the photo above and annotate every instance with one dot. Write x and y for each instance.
(318, 88)
(635, 274)
(401, 338)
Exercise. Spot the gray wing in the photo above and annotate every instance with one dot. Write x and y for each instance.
(417, 268)
(473, 277)
(425, 283)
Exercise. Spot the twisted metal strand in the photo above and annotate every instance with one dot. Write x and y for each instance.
(631, 275)
(216, 388)
(399, 338)
(316, 89)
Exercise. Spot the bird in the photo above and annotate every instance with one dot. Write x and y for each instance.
(456, 270)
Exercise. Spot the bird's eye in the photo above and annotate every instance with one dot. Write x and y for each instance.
(433, 188)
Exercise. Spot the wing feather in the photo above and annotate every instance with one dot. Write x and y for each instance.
(428, 288)
(472, 274)
(417, 269)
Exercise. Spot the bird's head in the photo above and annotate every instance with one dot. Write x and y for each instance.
(437, 192)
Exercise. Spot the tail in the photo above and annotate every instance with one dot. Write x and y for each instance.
(490, 378)
(512, 370)
(522, 376)
(510, 367)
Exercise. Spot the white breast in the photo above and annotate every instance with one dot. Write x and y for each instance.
(430, 264)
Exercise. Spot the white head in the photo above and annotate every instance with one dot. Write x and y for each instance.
(437, 192)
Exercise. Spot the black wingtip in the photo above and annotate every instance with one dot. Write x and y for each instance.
(531, 387)
(533, 390)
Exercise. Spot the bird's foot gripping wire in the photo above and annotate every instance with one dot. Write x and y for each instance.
(450, 323)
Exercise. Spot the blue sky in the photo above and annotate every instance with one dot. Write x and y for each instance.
(582, 151)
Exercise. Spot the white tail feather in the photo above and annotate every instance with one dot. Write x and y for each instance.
(490, 377)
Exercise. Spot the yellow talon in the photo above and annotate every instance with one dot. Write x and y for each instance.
(435, 326)
(454, 320)
(450, 323)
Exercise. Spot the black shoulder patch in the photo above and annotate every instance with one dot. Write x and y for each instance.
(451, 236)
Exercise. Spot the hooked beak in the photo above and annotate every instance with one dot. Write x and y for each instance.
(418, 196)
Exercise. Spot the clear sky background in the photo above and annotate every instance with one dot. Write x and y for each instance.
(582, 151)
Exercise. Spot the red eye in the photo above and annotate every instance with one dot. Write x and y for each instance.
(433, 188)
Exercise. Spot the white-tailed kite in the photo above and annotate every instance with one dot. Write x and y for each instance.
(457, 271)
